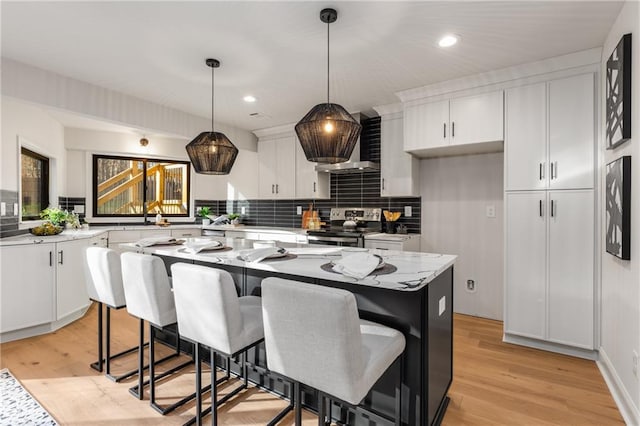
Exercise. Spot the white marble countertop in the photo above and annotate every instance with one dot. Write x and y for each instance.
(390, 237)
(67, 235)
(414, 270)
(264, 229)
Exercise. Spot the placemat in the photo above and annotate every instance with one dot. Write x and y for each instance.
(287, 256)
(386, 269)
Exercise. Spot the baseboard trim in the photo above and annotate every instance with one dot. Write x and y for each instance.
(550, 346)
(630, 412)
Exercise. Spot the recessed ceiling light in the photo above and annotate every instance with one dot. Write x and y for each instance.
(448, 40)
(249, 98)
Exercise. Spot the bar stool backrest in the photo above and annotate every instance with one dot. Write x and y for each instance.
(147, 289)
(105, 284)
(207, 306)
(312, 335)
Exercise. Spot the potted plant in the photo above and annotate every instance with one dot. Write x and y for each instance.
(204, 214)
(234, 218)
(55, 215)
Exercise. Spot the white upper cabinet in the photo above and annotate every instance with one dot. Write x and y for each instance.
(399, 171)
(572, 132)
(525, 136)
(441, 128)
(309, 183)
(550, 135)
(277, 167)
(476, 119)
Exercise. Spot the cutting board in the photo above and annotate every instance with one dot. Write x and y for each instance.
(306, 215)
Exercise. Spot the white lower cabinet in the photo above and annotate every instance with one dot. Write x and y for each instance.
(408, 242)
(550, 266)
(71, 289)
(28, 286)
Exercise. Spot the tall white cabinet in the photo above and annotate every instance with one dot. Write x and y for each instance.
(277, 167)
(399, 171)
(550, 214)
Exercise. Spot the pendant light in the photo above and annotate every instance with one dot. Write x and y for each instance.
(212, 153)
(328, 133)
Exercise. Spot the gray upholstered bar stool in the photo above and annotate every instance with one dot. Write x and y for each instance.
(314, 336)
(104, 285)
(147, 290)
(210, 313)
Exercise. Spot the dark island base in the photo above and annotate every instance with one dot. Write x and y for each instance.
(424, 316)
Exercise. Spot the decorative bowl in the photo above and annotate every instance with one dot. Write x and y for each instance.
(46, 229)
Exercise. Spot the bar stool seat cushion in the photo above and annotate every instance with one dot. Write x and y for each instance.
(313, 335)
(148, 289)
(219, 319)
(105, 283)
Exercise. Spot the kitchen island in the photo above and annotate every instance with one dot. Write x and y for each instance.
(415, 298)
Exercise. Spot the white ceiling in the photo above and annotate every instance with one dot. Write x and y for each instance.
(277, 50)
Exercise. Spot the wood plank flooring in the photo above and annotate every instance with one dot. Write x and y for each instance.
(494, 383)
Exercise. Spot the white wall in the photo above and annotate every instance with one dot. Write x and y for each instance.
(455, 193)
(620, 306)
(44, 135)
(241, 183)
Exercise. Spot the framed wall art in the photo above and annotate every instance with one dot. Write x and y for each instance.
(618, 207)
(618, 91)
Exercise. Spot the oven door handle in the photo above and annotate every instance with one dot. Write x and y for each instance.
(333, 239)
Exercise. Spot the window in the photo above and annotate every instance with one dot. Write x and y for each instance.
(122, 186)
(35, 184)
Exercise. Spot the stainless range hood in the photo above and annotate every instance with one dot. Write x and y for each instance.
(348, 167)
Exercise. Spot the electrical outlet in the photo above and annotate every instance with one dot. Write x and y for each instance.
(3, 209)
(635, 363)
(491, 211)
(442, 305)
(407, 211)
(79, 209)
(243, 210)
(471, 286)
(298, 210)
(15, 209)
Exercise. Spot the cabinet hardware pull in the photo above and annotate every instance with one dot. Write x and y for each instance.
(273, 191)
(277, 189)
(314, 187)
(381, 248)
(540, 208)
(61, 253)
(552, 208)
(551, 171)
(540, 173)
(50, 258)
(382, 183)
(444, 126)
(453, 129)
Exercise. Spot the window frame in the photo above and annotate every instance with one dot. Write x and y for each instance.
(45, 187)
(94, 184)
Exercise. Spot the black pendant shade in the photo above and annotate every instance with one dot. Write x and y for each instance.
(212, 153)
(328, 134)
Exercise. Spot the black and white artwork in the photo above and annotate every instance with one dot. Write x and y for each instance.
(618, 205)
(619, 93)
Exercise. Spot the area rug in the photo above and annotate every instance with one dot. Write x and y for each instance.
(17, 406)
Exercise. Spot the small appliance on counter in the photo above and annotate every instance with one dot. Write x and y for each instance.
(348, 226)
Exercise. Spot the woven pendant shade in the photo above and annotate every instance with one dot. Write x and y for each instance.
(212, 153)
(328, 134)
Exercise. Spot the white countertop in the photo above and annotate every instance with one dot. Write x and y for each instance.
(414, 270)
(67, 235)
(264, 229)
(390, 237)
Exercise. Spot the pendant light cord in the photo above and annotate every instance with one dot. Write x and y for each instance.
(328, 59)
(213, 88)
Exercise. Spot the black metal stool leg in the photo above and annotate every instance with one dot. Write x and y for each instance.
(214, 391)
(108, 349)
(298, 404)
(98, 364)
(152, 360)
(141, 360)
(321, 409)
(198, 386)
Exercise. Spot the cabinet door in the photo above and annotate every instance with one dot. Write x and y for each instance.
(186, 232)
(571, 132)
(398, 170)
(267, 155)
(309, 183)
(476, 119)
(526, 138)
(286, 168)
(525, 280)
(28, 286)
(383, 245)
(426, 125)
(71, 289)
(571, 263)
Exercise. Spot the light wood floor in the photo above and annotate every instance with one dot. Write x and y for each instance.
(494, 382)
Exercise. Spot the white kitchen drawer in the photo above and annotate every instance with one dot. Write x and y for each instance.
(186, 233)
